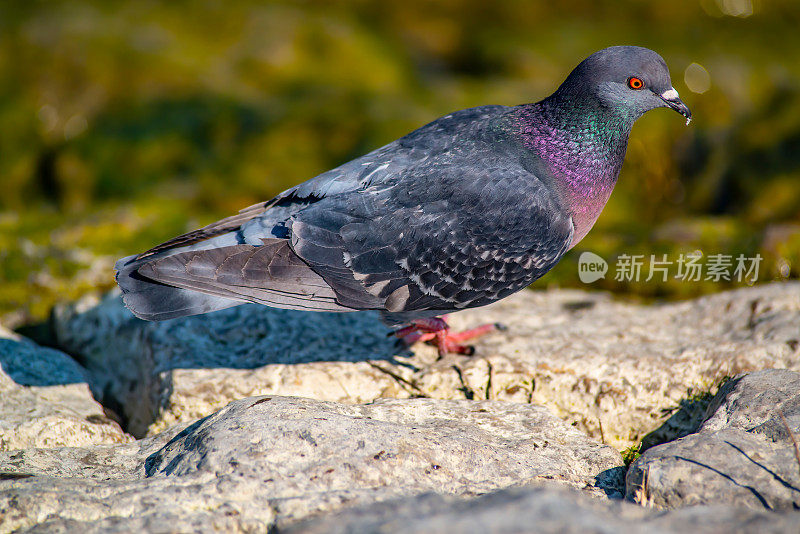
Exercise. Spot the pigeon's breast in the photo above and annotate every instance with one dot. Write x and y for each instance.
(585, 192)
(581, 177)
(581, 161)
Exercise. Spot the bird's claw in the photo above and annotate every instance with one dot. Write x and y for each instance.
(436, 332)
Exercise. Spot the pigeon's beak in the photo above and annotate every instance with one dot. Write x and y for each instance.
(672, 100)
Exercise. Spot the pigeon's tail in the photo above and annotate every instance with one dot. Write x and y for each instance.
(154, 301)
(196, 279)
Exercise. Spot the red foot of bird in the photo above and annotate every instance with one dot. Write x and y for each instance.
(436, 332)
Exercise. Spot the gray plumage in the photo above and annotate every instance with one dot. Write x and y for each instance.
(459, 213)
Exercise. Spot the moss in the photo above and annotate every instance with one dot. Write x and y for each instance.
(630, 455)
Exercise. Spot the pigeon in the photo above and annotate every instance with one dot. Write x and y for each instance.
(457, 214)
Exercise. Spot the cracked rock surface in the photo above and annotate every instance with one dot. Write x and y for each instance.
(270, 460)
(744, 453)
(612, 368)
(542, 510)
(379, 438)
(45, 400)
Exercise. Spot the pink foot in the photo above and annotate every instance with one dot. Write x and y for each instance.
(436, 332)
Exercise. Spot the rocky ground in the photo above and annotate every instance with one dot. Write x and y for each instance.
(252, 419)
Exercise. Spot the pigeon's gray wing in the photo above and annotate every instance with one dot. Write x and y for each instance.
(248, 257)
(447, 235)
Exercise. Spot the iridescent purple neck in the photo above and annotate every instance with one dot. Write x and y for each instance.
(582, 147)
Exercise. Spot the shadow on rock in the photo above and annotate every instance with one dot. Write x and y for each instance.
(195, 365)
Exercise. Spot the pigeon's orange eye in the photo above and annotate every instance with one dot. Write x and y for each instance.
(635, 83)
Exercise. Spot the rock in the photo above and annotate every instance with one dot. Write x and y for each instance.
(551, 510)
(744, 453)
(177, 371)
(183, 504)
(272, 460)
(45, 400)
(102, 462)
(612, 368)
(390, 445)
(764, 403)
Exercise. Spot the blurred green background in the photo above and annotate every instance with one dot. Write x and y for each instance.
(123, 124)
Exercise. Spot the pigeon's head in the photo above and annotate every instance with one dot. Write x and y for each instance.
(628, 79)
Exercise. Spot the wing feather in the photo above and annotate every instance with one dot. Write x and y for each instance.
(268, 274)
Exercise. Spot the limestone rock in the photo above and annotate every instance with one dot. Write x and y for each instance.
(610, 367)
(103, 462)
(312, 456)
(764, 403)
(180, 370)
(45, 400)
(542, 510)
(743, 453)
(272, 460)
(185, 504)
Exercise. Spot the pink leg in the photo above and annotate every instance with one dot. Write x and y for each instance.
(478, 331)
(435, 331)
